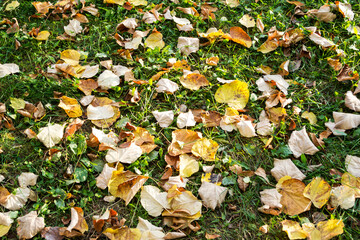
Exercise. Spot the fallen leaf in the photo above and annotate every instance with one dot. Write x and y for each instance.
(330, 228)
(316, 38)
(286, 168)
(103, 179)
(90, 71)
(188, 45)
(16, 201)
(247, 21)
(167, 86)
(185, 120)
(188, 165)
(212, 61)
(208, 118)
(194, 81)
(271, 198)
(51, 233)
(342, 196)
(27, 179)
(78, 222)
(246, 128)
(149, 231)
(318, 191)
(352, 164)
(71, 106)
(205, 148)
(293, 229)
(182, 141)
(352, 102)
(346, 74)
(108, 79)
(292, 199)
(212, 195)
(345, 10)
(164, 118)
(154, 40)
(236, 94)
(51, 135)
(43, 36)
(29, 225)
(309, 116)
(346, 121)
(123, 233)
(70, 57)
(124, 155)
(73, 28)
(300, 143)
(153, 200)
(238, 35)
(125, 184)
(232, 3)
(8, 68)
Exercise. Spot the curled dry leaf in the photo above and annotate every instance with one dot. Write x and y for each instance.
(29, 225)
(323, 13)
(70, 57)
(73, 28)
(185, 120)
(188, 165)
(232, 3)
(236, 94)
(194, 81)
(247, 21)
(293, 229)
(124, 155)
(316, 38)
(345, 10)
(77, 223)
(51, 135)
(346, 74)
(182, 141)
(103, 179)
(352, 102)
(90, 71)
(346, 121)
(14, 201)
(352, 164)
(271, 198)
(212, 194)
(87, 86)
(279, 81)
(331, 228)
(153, 200)
(164, 118)
(188, 45)
(208, 118)
(125, 184)
(167, 86)
(292, 198)
(300, 143)
(246, 128)
(205, 148)
(212, 61)
(238, 35)
(309, 116)
(318, 191)
(286, 168)
(71, 106)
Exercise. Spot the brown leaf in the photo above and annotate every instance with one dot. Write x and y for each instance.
(194, 81)
(87, 86)
(238, 35)
(182, 141)
(208, 118)
(292, 199)
(73, 127)
(347, 74)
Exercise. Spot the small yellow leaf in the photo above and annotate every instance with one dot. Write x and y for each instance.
(205, 148)
(236, 94)
(293, 229)
(70, 56)
(310, 116)
(268, 46)
(123, 233)
(71, 106)
(330, 228)
(154, 40)
(11, 6)
(43, 36)
(188, 165)
(318, 191)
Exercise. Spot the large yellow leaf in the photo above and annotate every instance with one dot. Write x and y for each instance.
(125, 184)
(71, 106)
(293, 229)
(318, 191)
(205, 148)
(123, 233)
(292, 199)
(236, 94)
(330, 228)
(70, 57)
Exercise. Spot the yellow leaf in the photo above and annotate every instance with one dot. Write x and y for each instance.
(236, 94)
(70, 57)
(11, 6)
(318, 191)
(138, 2)
(71, 106)
(330, 228)
(154, 40)
(351, 181)
(4, 230)
(276, 115)
(268, 46)
(43, 36)
(292, 199)
(125, 184)
(205, 148)
(119, 2)
(293, 229)
(188, 165)
(238, 35)
(194, 81)
(123, 233)
(310, 116)
(182, 141)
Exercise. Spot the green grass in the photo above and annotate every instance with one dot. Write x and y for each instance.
(236, 62)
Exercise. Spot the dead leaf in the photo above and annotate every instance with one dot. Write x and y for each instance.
(271, 198)
(51, 135)
(238, 35)
(185, 120)
(318, 191)
(188, 45)
(212, 194)
(352, 102)
(343, 196)
(8, 68)
(167, 86)
(51, 233)
(330, 228)
(346, 74)
(300, 143)
(43, 36)
(27, 179)
(70, 57)
(352, 164)
(346, 121)
(286, 168)
(316, 38)
(345, 10)
(153, 200)
(149, 231)
(247, 21)
(71, 106)
(212, 61)
(124, 155)
(182, 141)
(188, 165)
(123, 232)
(125, 184)
(154, 40)
(232, 3)
(29, 225)
(208, 118)
(309, 116)
(194, 81)
(108, 79)
(236, 94)
(292, 199)
(293, 229)
(205, 148)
